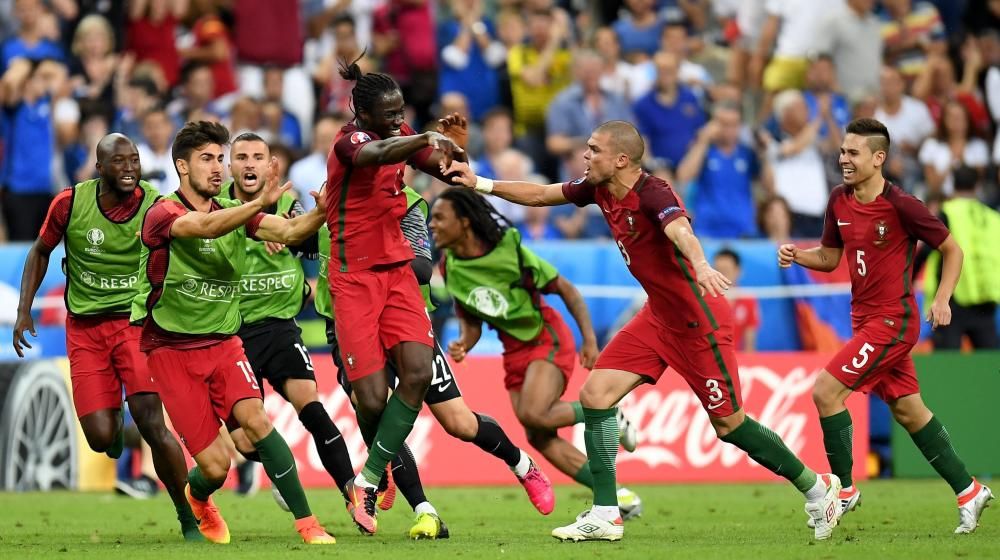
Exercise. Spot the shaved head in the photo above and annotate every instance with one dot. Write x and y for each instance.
(107, 144)
(624, 139)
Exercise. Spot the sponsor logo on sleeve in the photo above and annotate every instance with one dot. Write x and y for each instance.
(668, 211)
(359, 138)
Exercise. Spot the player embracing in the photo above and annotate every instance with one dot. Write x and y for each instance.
(877, 225)
(193, 257)
(686, 324)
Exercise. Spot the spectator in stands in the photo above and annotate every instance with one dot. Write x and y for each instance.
(821, 89)
(266, 34)
(29, 145)
(30, 42)
(724, 170)
(152, 31)
(246, 116)
(794, 29)
(675, 39)
(537, 225)
(335, 91)
(498, 137)
(953, 145)
(455, 102)
(80, 158)
(403, 37)
(309, 173)
(909, 124)
(282, 123)
(581, 107)
(639, 30)
(797, 163)
(154, 152)
(669, 116)
(94, 63)
(511, 165)
(744, 35)
(976, 228)
(471, 56)
(137, 97)
(618, 76)
(213, 46)
(746, 310)
(196, 94)
(937, 85)
(539, 69)
(774, 219)
(912, 32)
(852, 36)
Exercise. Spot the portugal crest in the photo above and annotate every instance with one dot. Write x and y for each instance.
(881, 232)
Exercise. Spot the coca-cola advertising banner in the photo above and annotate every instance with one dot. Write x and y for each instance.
(676, 440)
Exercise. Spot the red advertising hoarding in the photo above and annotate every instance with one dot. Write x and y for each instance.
(676, 440)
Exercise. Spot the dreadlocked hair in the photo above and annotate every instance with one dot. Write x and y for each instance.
(368, 88)
(486, 222)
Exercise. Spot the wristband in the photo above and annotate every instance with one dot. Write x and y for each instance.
(484, 185)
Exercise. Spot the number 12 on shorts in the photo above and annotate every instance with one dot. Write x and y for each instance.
(248, 373)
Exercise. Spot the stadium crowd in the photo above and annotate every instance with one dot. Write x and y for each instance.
(742, 103)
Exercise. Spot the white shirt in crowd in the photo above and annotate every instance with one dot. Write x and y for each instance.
(158, 169)
(800, 179)
(911, 124)
(308, 174)
(937, 154)
(801, 22)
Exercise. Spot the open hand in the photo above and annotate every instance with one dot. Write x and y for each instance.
(712, 282)
(272, 191)
(459, 173)
(445, 145)
(24, 323)
(456, 127)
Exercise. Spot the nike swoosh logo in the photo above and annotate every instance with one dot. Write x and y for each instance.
(715, 406)
(444, 388)
(331, 440)
(840, 223)
(284, 473)
(380, 446)
(845, 370)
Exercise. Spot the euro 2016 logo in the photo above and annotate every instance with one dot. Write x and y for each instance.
(95, 237)
(488, 301)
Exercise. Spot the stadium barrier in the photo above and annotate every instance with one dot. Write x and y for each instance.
(961, 389)
(676, 440)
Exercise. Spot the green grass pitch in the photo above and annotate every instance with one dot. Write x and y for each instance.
(910, 520)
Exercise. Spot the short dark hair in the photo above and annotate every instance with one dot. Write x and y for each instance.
(146, 84)
(248, 137)
(344, 18)
(875, 133)
(965, 178)
(195, 135)
(727, 252)
(190, 68)
(498, 111)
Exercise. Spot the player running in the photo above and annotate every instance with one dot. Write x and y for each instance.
(679, 326)
(878, 225)
(494, 279)
(272, 292)
(99, 220)
(193, 256)
(378, 308)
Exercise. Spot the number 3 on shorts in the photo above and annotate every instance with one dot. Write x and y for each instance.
(714, 393)
(248, 373)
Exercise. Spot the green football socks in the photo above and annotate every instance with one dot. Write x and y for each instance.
(601, 437)
(396, 423)
(935, 443)
(838, 437)
(279, 464)
(765, 447)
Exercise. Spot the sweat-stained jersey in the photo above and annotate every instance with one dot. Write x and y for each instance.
(364, 205)
(637, 223)
(879, 240)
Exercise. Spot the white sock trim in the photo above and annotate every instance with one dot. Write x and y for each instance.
(424, 507)
(607, 513)
(362, 482)
(522, 466)
(817, 491)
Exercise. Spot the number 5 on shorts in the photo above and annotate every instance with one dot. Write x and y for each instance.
(248, 373)
(860, 360)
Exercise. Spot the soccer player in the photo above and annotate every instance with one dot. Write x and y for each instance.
(686, 324)
(444, 398)
(378, 306)
(99, 220)
(272, 292)
(494, 279)
(193, 256)
(878, 225)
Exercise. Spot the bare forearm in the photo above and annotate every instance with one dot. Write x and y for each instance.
(520, 192)
(951, 270)
(469, 333)
(35, 266)
(691, 164)
(391, 150)
(578, 309)
(815, 259)
(690, 247)
(302, 227)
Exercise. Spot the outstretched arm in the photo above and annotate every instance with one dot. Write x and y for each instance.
(823, 259)
(519, 192)
(711, 281)
(402, 148)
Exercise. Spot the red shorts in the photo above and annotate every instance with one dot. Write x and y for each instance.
(374, 310)
(707, 363)
(200, 386)
(875, 362)
(554, 344)
(104, 355)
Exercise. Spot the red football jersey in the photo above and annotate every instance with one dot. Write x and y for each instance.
(746, 315)
(637, 223)
(879, 240)
(365, 205)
